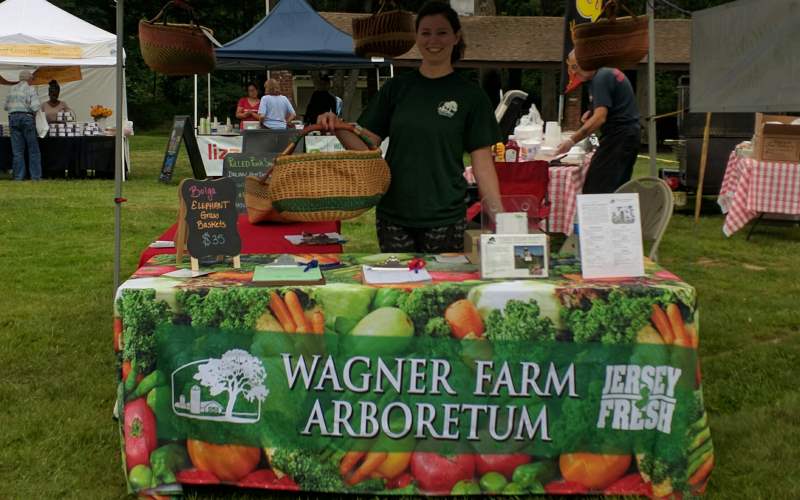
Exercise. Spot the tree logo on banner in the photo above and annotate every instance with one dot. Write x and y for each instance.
(237, 374)
(589, 9)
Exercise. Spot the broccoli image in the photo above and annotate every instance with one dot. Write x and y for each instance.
(519, 321)
(315, 471)
(141, 314)
(430, 302)
(229, 308)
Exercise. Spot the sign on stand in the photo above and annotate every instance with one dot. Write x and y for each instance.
(207, 221)
(181, 129)
(237, 166)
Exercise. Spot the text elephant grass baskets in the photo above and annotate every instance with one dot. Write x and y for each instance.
(615, 41)
(384, 34)
(313, 187)
(176, 49)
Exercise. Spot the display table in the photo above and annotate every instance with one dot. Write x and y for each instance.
(262, 238)
(76, 157)
(752, 187)
(561, 385)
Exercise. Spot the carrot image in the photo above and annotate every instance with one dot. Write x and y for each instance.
(661, 322)
(296, 311)
(349, 461)
(278, 307)
(678, 328)
(318, 322)
(693, 337)
(371, 463)
(702, 472)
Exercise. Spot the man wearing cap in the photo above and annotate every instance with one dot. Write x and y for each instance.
(22, 104)
(615, 114)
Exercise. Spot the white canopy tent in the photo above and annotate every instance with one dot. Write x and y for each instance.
(36, 33)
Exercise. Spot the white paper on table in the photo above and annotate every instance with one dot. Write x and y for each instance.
(186, 273)
(451, 259)
(610, 235)
(520, 256)
(297, 239)
(162, 244)
(387, 275)
(511, 223)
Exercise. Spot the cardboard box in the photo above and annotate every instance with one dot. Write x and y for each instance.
(472, 244)
(776, 141)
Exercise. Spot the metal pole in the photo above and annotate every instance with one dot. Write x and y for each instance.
(195, 102)
(118, 147)
(391, 70)
(209, 96)
(651, 89)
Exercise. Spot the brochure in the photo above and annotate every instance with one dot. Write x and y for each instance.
(514, 256)
(610, 235)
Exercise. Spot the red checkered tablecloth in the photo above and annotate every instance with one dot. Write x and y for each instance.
(565, 184)
(751, 187)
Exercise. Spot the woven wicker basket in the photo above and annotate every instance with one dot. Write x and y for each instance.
(313, 187)
(256, 200)
(384, 34)
(615, 42)
(176, 49)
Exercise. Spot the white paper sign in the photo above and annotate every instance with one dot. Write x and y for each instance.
(514, 256)
(610, 235)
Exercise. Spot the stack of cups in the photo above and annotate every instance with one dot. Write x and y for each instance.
(552, 134)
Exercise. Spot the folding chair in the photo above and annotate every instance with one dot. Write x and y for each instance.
(655, 205)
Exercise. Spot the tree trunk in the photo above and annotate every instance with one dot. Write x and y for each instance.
(349, 94)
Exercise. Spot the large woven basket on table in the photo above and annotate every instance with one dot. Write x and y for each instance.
(176, 49)
(384, 34)
(312, 187)
(614, 41)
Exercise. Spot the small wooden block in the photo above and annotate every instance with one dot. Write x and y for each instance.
(237, 262)
(195, 264)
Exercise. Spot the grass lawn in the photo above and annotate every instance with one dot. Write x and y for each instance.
(57, 373)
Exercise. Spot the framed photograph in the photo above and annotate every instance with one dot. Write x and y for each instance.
(520, 256)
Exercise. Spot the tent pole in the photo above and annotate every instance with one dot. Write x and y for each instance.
(195, 102)
(391, 70)
(703, 161)
(377, 77)
(651, 89)
(118, 148)
(209, 96)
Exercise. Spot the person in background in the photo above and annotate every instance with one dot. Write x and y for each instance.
(247, 107)
(53, 106)
(322, 101)
(22, 104)
(432, 116)
(613, 112)
(275, 110)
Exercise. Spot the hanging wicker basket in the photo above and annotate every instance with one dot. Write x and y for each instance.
(384, 34)
(176, 49)
(613, 42)
(314, 187)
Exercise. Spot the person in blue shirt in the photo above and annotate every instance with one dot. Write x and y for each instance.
(21, 104)
(275, 110)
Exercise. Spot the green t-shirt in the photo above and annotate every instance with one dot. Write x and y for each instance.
(430, 124)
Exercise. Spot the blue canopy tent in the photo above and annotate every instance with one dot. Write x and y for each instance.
(292, 36)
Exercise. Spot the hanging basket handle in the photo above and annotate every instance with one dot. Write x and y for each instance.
(611, 7)
(181, 4)
(318, 128)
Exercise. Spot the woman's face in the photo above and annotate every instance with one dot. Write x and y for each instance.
(252, 91)
(436, 39)
(53, 93)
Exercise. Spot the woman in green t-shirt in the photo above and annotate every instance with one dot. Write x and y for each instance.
(431, 117)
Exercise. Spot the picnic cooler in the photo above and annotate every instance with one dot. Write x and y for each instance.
(176, 49)
(615, 41)
(384, 34)
(315, 187)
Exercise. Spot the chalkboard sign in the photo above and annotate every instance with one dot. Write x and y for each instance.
(237, 166)
(181, 129)
(209, 214)
(265, 141)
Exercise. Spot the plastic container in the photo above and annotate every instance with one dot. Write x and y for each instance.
(552, 134)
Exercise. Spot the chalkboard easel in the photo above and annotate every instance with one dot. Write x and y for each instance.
(207, 220)
(182, 130)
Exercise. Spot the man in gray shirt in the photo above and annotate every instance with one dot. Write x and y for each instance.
(615, 114)
(22, 104)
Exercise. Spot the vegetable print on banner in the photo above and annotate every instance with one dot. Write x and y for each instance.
(457, 387)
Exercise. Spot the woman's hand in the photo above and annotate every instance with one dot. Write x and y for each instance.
(328, 121)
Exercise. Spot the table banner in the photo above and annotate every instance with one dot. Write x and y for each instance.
(455, 387)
